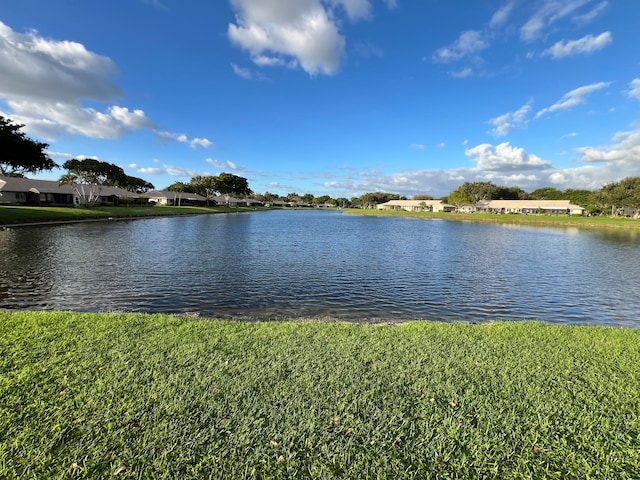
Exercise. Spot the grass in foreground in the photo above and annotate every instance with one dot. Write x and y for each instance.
(20, 214)
(141, 396)
(515, 219)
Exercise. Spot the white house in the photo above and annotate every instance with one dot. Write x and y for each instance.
(417, 206)
(556, 207)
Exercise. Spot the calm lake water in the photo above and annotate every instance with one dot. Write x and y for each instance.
(291, 264)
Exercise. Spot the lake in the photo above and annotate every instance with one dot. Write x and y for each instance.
(311, 263)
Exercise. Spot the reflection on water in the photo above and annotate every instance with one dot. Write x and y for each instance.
(284, 264)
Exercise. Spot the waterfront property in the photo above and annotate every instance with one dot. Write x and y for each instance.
(417, 206)
(165, 197)
(28, 191)
(550, 207)
(553, 207)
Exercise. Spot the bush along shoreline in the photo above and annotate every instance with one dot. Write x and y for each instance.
(162, 396)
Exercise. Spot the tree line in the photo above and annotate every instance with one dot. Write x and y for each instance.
(21, 155)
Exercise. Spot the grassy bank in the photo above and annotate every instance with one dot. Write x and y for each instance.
(141, 396)
(11, 215)
(515, 219)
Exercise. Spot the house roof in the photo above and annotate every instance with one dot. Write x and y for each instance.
(415, 203)
(176, 195)
(18, 184)
(530, 204)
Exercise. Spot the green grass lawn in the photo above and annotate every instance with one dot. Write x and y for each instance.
(154, 396)
(18, 214)
(548, 220)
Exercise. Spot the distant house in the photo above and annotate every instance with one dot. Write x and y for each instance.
(28, 191)
(278, 203)
(556, 207)
(165, 197)
(250, 202)
(417, 206)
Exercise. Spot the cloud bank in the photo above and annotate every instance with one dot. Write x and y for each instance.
(302, 34)
(45, 82)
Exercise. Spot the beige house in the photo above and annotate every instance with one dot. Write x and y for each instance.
(165, 197)
(556, 207)
(417, 206)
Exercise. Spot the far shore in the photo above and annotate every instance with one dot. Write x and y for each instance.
(20, 216)
(511, 218)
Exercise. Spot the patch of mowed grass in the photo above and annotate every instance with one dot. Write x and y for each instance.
(157, 396)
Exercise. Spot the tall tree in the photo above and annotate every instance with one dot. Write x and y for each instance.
(546, 193)
(372, 199)
(136, 185)
(625, 193)
(180, 187)
(510, 193)
(207, 186)
(19, 154)
(230, 185)
(470, 193)
(86, 177)
(579, 197)
(343, 202)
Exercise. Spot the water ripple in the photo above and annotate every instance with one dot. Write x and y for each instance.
(291, 264)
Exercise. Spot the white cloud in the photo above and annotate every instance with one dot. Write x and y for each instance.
(468, 43)
(463, 73)
(624, 152)
(182, 138)
(501, 164)
(548, 12)
(201, 142)
(418, 146)
(569, 135)
(501, 15)
(302, 33)
(356, 9)
(167, 170)
(391, 4)
(45, 82)
(591, 14)
(504, 157)
(573, 98)
(586, 44)
(147, 170)
(634, 90)
(135, 119)
(49, 120)
(225, 165)
(249, 74)
(37, 68)
(242, 72)
(503, 124)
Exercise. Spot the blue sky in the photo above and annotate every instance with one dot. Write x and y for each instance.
(335, 97)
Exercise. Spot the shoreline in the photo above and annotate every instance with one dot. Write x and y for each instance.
(621, 223)
(43, 216)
